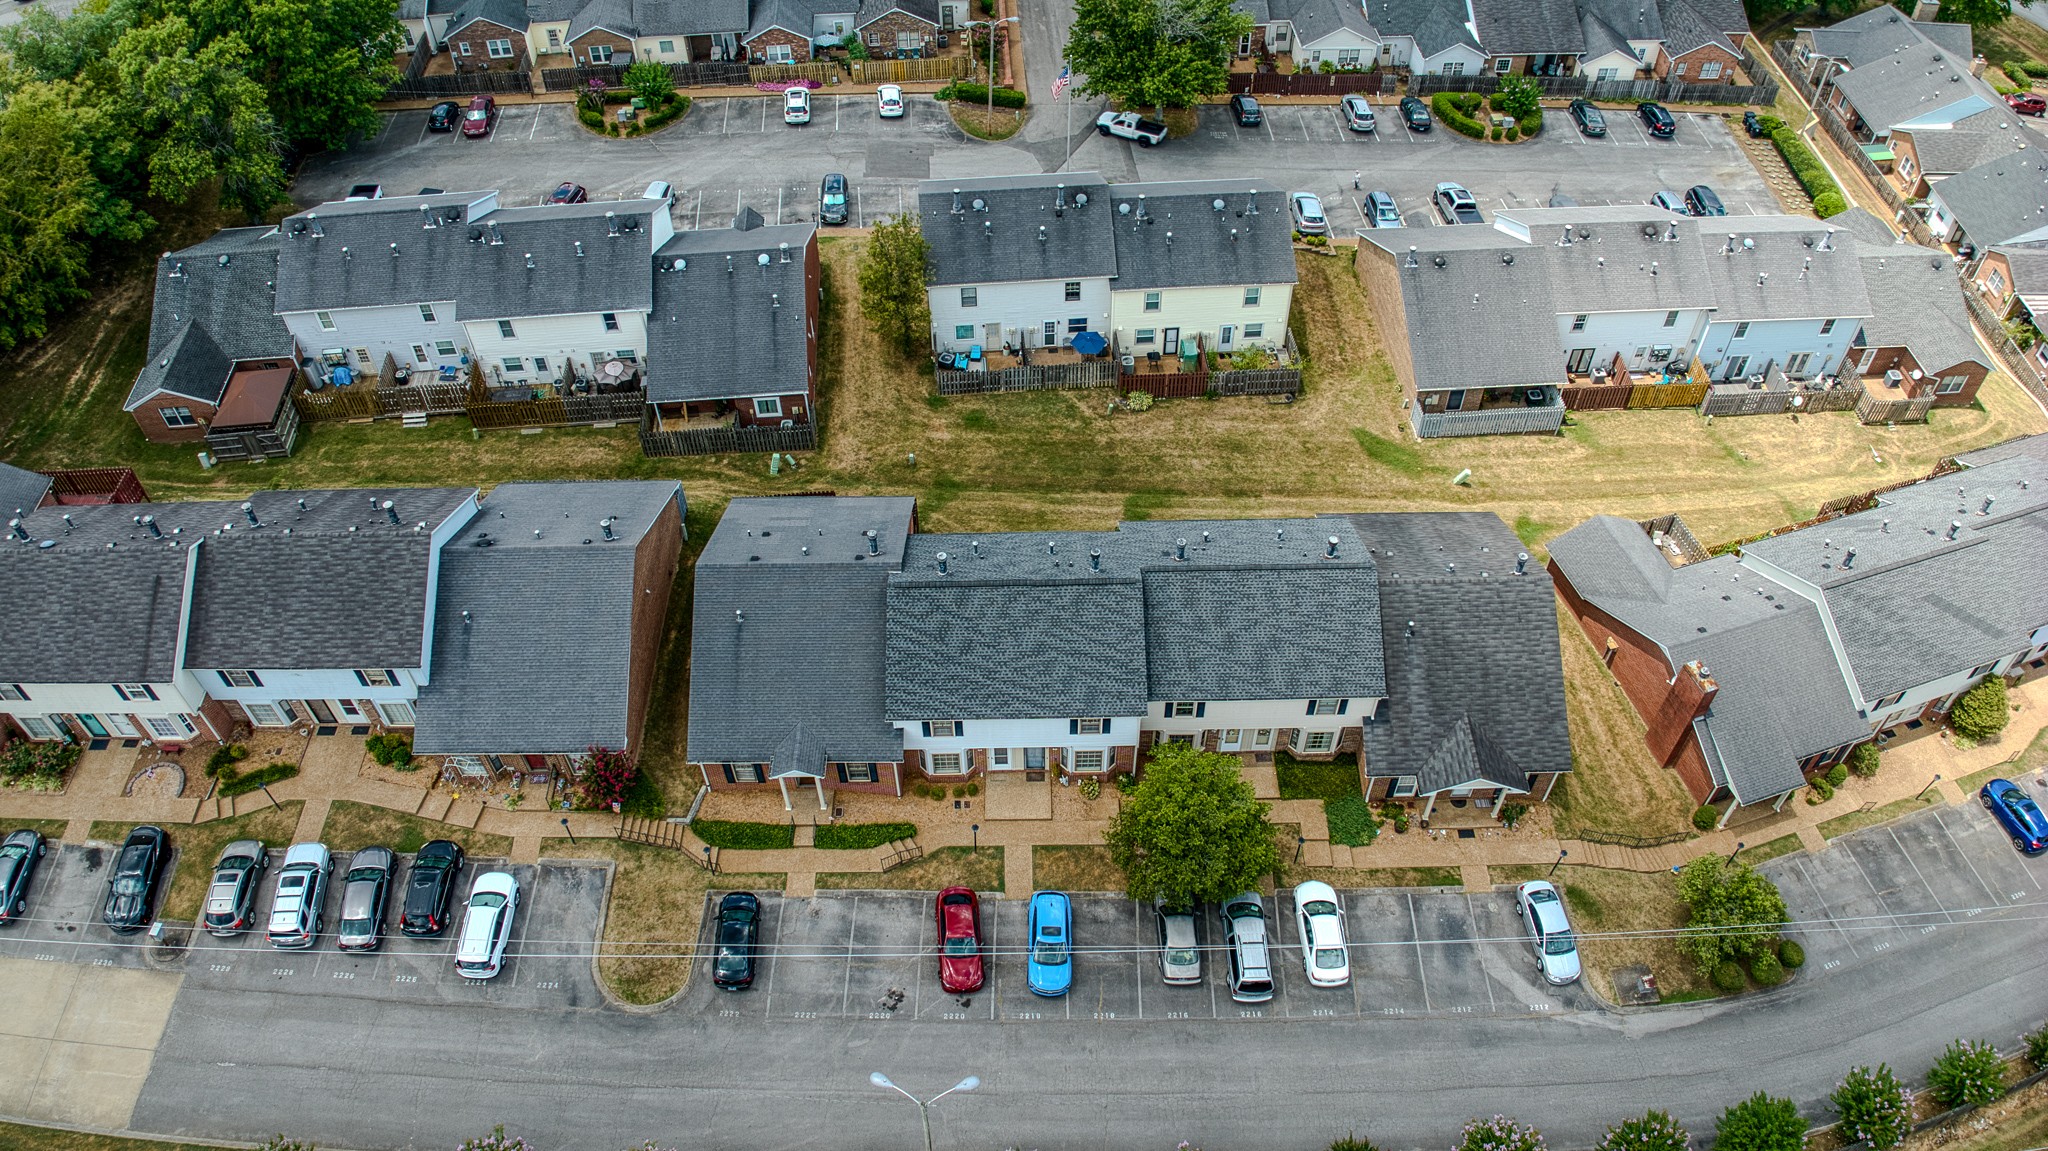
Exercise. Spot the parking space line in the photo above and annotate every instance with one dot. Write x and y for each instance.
(917, 972)
(768, 995)
(1893, 917)
(1473, 914)
(1415, 935)
(1967, 861)
(995, 970)
(1138, 950)
(1916, 874)
(2000, 839)
(860, 211)
(846, 992)
(726, 119)
(764, 115)
(536, 124)
(837, 105)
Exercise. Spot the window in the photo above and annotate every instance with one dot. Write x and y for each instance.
(905, 41)
(1318, 741)
(1326, 707)
(465, 47)
(963, 331)
(1950, 385)
(1073, 290)
(1889, 700)
(1402, 785)
(1710, 70)
(505, 330)
(498, 49)
(363, 357)
(554, 37)
(1796, 363)
(444, 347)
(540, 363)
(419, 353)
(666, 47)
(857, 772)
(1678, 69)
(514, 363)
(768, 406)
(1455, 68)
(1578, 323)
(1088, 760)
(1671, 319)
(611, 321)
(970, 297)
(377, 677)
(1347, 57)
(1180, 710)
(1741, 330)
(942, 728)
(427, 313)
(265, 715)
(1606, 74)
(1251, 297)
(743, 772)
(780, 54)
(947, 763)
(1034, 759)
(177, 417)
(1151, 301)
(1996, 282)
(1826, 326)
(172, 727)
(999, 757)
(1737, 367)
(627, 354)
(1148, 335)
(37, 727)
(874, 39)
(398, 713)
(1501, 66)
(1052, 334)
(1077, 324)
(600, 53)
(1087, 727)
(241, 679)
(325, 320)
(134, 691)
(1254, 331)
(12, 691)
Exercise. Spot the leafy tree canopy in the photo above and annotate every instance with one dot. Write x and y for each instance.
(1192, 830)
(892, 284)
(1155, 53)
(1735, 911)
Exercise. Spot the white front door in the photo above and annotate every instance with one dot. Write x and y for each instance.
(1232, 738)
(121, 727)
(1001, 759)
(1262, 738)
(1226, 340)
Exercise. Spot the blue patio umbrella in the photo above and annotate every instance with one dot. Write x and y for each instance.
(1090, 343)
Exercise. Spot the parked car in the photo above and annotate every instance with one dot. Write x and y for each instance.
(1753, 124)
(231, 898)
(959, 914)
(659, 190)
(1550, 931)
(2027, 103)
(1589, 118)
(567, 192)
(1357, 113)
(1246, 111)
(442, 117)
(1321, 920)
(1415, 114)
(487, 925)
(1700, 200)
(481, 117)
(796, 106)
(1180, 956)
(1669, 201)
(1049, 970)
(131, 882)
(1456, 205)
(832, 199)
(889, 101)
(18, 858)
(295, 907)
(1306, 209)
(429, 888)
(1381, 211)
(2018, 814)
(736, 939)
(1656, 120)
(364, 895)
(1244, 938)
(365, 192)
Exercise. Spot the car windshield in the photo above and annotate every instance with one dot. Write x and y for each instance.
(737, 915)
(1329, 958)
(732, 961)
(1049, 953)
(834, 199)
(358, 928)
(960, 945)
(289, 884)
(128, 885)
(1319, 907)
(1182, 957)
(1593, 116)
(476, 114)
(13, 851)
(487, 900)
(1559, 944)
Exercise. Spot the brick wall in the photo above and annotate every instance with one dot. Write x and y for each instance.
(599, 37)
(655, 564)
(475, 36)
(799, 46)
(880, 34)
(149, 417)
(884, 782)
(1687, 67)
(1381, 279)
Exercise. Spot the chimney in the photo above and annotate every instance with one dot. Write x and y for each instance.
(1330, 552)
(606, 524)
(1691, 694)
(390, 512)
(941, 557)
(1180, 548)
(249, 509)
(874, 543)
(1094, 561)
(1522, 563)
(1976, 62)
(148, 523)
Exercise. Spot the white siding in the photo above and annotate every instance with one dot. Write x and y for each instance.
(649, 48)
(832, 26)
(1365, 50)
(385, 330)
(580, 338)
(1624, 64)
(1018, 734)
(1624, 332)
(1253, 715)
(537, 39)
(1200, 310)
(1773, 341)
(1020, 309)
(1473, 60)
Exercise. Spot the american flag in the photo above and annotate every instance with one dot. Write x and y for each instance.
(1066, 77)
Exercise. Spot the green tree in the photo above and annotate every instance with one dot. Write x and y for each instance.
(1981, 13)
(1735, 911)
(198, 115)
(1873, 1107)
(322, 64)
(892, 272)
(1517, 96)
(1655, 1131)
(1192, 830)
(650, 80)
(1969, 1071)
(51, 205)
(1760, 1123)
(1983, 711)
(1155, 53)
(43, 47)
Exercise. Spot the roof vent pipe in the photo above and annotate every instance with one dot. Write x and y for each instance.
(249, 509)
(1521, 563)
(606, 523)
(1885, 527)
(1052, 547)
(149, 523)
(1279, 535)
(1827, 243)
(874, 543)
(390, 512)
(1180, 549)
(1331, 551)
(1954, 526)
(957, 209)
(975, 547)
(1205, 537)
(1094, 561)
(15, 530)
(941, 557)
(1848, 557)
(1987, 505)
(739, 616)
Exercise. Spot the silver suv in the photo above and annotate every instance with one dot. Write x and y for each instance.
(301, 888)
(1251, 963)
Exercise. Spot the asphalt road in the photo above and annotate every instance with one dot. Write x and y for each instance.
(1919, 932)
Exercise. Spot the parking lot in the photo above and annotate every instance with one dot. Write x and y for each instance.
(561, 906)
(732, 152)
(872, 956)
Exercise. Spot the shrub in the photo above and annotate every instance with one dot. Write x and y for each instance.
(1655, 1131)
(1327, 67)
(1837, 775)
(392, 749)
(1982, 711)
(233, 783)
(861, 836)
(1873, 1107)
(1455, 109)
(1969, 1071)
(225, 756)
(855, 50)
(1728, 976)
(1514, 132)
(2037, 1047)
(968, 93)
(975, 788)
(1734, 910)
(1250, 359)
(1830, 204)
(1090, 788)
(497, 1140)
(1392, 813)
(1807, 169)
(1863, 760)
(592, 119)
(650, 80)
(1770, 124)
(1765, 969)
(1512, 813)
(745, 836)
(1350, 820)
(1822, 791)
(1518, 96)
(661, 117)
(1705, 816)
(1499, 1133)
(1351, 1142)
(1139, 401)
(605, 778)
(1760, 1123)
(1494, 134)
(1792, 954)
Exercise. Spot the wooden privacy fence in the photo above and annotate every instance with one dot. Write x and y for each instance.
(1872, 410)
(908, 71)
(1167, 385)
(723, 441)
(1312, 83)
(556, 411)
(455, 399)
(1596, 397)
(1610, 397)
(713, 73)
(1036, 377)
(513, 81)
(96, 486)
(1748, 402)
(1256, 382)
(2018, 364)
(824, 72)
(1763, 93)
(356, 403)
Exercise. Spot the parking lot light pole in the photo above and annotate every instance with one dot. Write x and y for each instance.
(708, 865)
(992, 26)
(1561, 853)
(1930, 784)
(275, 803)
(567, 832)
(976, 829)
(1739, 845)
(1300, 842)
(924, 1105)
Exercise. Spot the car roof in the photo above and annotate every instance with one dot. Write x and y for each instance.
(494, 881)
(1314, 889)
(1049, 900)
(307, 853)
(240, 849)
(372, 857)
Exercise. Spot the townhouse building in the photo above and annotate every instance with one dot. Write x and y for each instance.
(1881, 70)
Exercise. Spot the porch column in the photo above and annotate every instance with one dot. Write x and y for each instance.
(1550, 786)
(1428, 806)
(1722, 822)
(821, 793)
(782, 781)
(1780, 805)
(705, 771)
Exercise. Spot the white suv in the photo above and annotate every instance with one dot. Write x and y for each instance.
(1251, 961)
(1550, 932)
(487, 925)
(796, 106)
(301, 887)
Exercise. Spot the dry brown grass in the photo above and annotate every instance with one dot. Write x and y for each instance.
(352, 826)
(1604, 901)
(947, 867)
(22, 1137)
(1614, 786)
(198, 844)
(1075, 868)
(51, 829)
(1355, 877)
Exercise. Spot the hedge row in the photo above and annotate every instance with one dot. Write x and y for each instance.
(861, 836)
(1813, 178)
(1457, 110)
(745, 836)
(234, 782)
(978, 94)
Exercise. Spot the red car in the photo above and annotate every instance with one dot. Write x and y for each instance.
(2027, 103)
(567, 192)
(481, 117)
(959, 912)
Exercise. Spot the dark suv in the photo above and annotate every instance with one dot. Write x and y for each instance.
(18, 858)
(131, 885)
(429, 888)
(1245, 110)
(1700, 200)
(1656, 120)
(363, 896)
(832, 199)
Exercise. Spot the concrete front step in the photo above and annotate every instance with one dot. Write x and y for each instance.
(434, 805)
(464, 813)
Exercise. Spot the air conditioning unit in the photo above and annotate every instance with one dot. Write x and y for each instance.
(1893, 379)
(1660, 353)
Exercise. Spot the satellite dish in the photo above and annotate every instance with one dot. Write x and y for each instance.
(1216, 204)
(981, 205)
(762, 259)
(678, 264)
(1080, 199)
(1124, 209)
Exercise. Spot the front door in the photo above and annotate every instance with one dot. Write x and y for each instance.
(1231, 739)
(1738, 366)
(93, 726)
(322, 713)
(1580, 362)
(1170, 342)
(1227, 338)
(122, 727)
(1262, 738)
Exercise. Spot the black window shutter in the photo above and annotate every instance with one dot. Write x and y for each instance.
(1341, 705)
(842, 773)
(19, 692)
(1311, 707)
(361, 679)
(224, 680)
(120, 691)
(1105, 727)
(960, 727)
(391, 674)
(149, 691)
(1201, 709)
(1073, 727)
(255, 680)
(729, 777)
(927, 727)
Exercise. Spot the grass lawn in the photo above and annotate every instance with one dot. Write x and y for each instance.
(198, 844)
(1350, 877)
(1765, 852)
(1615, 787)
(52, 829)
(351, 826)
(651, 921)
(1977, 779)
(1346, 813)
(22, 1137)
(1858, 820)
(1604, 901)
(1075, 868)
(946, 867)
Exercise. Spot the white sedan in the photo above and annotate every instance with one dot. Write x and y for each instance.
(1321, 920)
(889, 101)
(796, 106)
(487, 925)
(1550, 931)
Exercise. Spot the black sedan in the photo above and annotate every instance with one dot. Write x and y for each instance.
(1656, 121)
(444, 117)
(429, 888)
(232, 894)
(1589, 118)
(1245, 110)
(737, 939)
(18, 858)
(1415, 114)
(131, 888)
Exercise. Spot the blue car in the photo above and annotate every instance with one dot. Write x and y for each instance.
(1050, 969)
(2018, 814)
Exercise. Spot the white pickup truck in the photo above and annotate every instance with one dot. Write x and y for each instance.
(1131, 126)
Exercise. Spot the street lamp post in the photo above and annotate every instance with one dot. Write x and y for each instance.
(1561, 853)
(1930, 784)
(976, 828)
(1300, 842)
(924, 1105)
(566, 831)
(1739, 845)
(992, 25)
(268, 796)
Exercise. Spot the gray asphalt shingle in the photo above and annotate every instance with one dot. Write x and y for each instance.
(1020, 232)
(212, 305)
(1916, 302)
(725, 324)
(1247, 241)
(21, 490)
(1909, 83)
(1528, 27)
(1999, 200)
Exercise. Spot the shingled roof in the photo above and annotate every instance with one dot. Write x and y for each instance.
(1009, 229)
(725, 324)
(1434, 25)
(1528, 27)
(1916, 303)
(2001, 201)
(1186, 240)
(213, 306)
(101, 604)
(1924, 80)
(21, 490)
(1970, 141)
